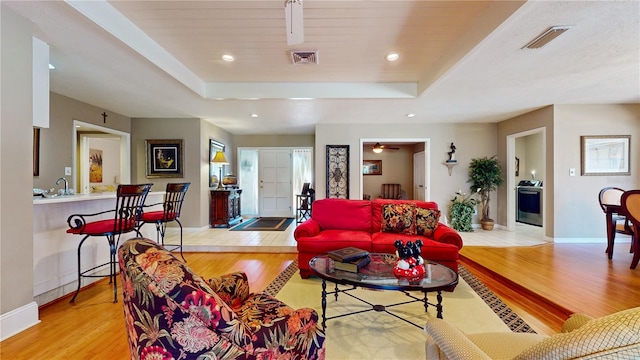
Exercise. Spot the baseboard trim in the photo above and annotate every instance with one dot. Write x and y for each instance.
(589, 240)
(18, 320)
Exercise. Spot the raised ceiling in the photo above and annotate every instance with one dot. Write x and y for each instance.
(459, 61)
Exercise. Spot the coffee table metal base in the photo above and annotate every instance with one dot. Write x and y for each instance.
(376, 307)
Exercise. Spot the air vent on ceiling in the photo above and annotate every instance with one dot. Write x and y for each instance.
(304, 57)
(544, 38)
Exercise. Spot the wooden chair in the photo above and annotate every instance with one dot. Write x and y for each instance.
(110, 224)
(171, 207)
(609, 199)
(631, 206)
(391, 191)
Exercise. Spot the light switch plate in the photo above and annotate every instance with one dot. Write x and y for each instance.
(572, 172)
(67, 170)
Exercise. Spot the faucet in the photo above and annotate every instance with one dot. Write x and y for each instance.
(66, 185)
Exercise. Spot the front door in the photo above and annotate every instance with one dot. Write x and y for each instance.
(275, 183)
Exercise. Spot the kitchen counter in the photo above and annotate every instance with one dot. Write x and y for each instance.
(55, 251)
(82, 197)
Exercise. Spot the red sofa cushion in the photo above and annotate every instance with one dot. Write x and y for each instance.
(431, 250)
(342, 214)
(328, 240)
(376, 209)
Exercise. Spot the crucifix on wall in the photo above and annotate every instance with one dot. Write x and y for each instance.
(104, 117)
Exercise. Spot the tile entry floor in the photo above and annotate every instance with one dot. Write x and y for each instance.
(223, 240)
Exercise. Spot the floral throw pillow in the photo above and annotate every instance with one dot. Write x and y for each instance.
(426, 221)
(398, 218)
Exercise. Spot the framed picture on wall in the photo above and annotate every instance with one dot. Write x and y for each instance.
(371, 167)
(338, 171)
(164, 158)
(605, 155)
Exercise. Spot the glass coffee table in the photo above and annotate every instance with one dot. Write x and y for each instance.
(378, 274)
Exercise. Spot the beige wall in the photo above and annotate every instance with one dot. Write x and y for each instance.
(471, 140)
(209, 131)
(16, 128)
(572, 212)
(56, 150)
(274, 140)
(195, 134)
(529, 149)
(577, 211)
(541, 119)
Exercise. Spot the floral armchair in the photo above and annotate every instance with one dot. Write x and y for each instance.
(172, 313)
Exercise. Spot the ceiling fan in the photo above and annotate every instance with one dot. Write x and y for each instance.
(377, 148)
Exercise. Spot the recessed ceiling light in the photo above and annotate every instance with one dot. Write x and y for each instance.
(227, 57)
(393, 57)
(411, 115)
(51, 67)
(254, 115)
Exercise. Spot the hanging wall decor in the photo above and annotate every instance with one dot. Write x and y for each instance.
(164, 158)
(607, 155)
(338, 171)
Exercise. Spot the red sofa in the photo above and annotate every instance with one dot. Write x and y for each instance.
(339, 223)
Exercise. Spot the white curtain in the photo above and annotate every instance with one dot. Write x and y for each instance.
(302, 169)
(248, 181)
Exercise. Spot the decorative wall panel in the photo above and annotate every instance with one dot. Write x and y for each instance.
(338, 171)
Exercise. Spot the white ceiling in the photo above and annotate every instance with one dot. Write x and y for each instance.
(459, 61)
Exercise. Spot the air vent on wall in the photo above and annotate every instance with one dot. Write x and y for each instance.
(304, 57)
(546, 37)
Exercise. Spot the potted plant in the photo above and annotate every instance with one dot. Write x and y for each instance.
(461, 212)
(485, 175)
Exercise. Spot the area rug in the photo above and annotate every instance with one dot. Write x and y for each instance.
(471, 307)
(264, 224)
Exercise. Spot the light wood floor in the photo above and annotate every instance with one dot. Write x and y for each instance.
(93, 327)
(546, 283)
(542, 283)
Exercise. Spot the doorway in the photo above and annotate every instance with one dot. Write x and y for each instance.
(411, 179)
(83, 133)
(527, 151)
(252, 182)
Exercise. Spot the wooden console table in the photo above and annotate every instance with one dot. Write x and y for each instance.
(225, 207)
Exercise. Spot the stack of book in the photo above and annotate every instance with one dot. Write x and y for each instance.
(350, 259)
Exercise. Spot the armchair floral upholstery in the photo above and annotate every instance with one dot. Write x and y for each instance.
(172, 313)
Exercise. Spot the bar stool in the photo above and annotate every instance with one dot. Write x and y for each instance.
(129, 201)
(171, 207)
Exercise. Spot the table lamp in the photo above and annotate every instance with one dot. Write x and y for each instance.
(220, 160)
